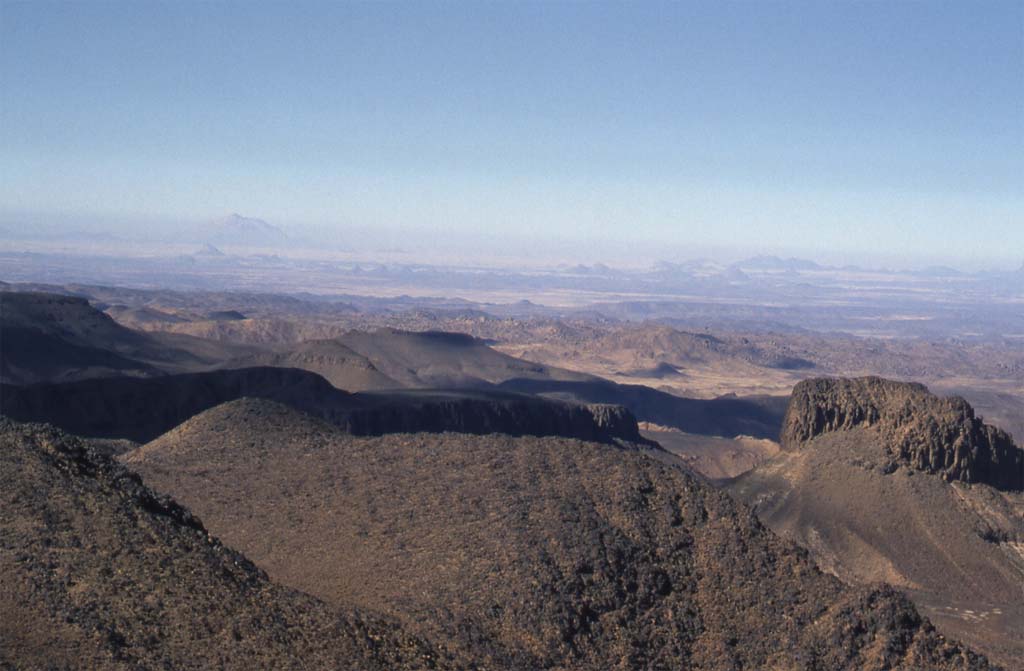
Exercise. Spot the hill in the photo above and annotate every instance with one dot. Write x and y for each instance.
(431, 359)
(99, 572)
(338, 364)
(536, 553)
(917, 428)
(140, 409)
(883, 481)
(54, 337)
(50, 337)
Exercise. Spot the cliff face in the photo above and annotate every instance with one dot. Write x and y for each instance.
(918, 429)
(141, 409)
(514, 415)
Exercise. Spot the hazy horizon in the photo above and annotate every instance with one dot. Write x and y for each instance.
(842, 132)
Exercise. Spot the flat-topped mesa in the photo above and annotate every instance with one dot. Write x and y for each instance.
(919, 429)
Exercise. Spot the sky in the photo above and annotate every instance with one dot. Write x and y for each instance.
(855, 129)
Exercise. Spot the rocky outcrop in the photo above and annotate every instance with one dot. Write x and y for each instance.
(918, 429)
(485, 413)
(615, 420)
(529, 553)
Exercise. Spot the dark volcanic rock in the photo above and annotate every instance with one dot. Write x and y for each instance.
(99, 572)
(479, 412)
(530, 553)
(920, 430)
(140, 409)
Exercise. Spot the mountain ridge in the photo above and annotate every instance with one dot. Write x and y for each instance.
(920, 430)
(542, 553)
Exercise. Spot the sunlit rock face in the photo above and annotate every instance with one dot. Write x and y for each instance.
(918, 429)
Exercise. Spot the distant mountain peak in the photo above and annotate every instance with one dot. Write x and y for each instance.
(209, 250)
(238, 230)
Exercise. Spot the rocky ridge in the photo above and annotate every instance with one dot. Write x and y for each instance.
(97, 571)
(529, 553)
(919, 430)
(140, 409)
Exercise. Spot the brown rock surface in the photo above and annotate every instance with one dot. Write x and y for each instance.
(533, 553)
(99, 572)
(919, 429)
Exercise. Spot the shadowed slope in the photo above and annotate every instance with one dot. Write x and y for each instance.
(98, 572)
(437, 359)
(52, 337)
(727, 416)
(141, 409)
(542, 552)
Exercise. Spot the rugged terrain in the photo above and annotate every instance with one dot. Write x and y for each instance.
(49, 337)
(569, 536)
(140, 409)
(99, 572)
(535, 552)
(883, 481)
(917, 428)
(715, 457)
(96, 398)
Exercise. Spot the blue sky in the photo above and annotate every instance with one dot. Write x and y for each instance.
(889, 128)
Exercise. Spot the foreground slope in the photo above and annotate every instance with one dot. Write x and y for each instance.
(99, 572)
(532, 552)
(883, 481)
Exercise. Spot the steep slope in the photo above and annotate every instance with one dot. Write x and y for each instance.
(884, 482)
(714, 457)
(49, 337)
(540, 553)
(438, 359)
(337, 363)
(141, 409)
(727, 416)
(52, 337)
(99, 572)
(917, 428)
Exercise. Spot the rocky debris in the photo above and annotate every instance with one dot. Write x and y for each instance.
(100, 572)
(918, 429)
